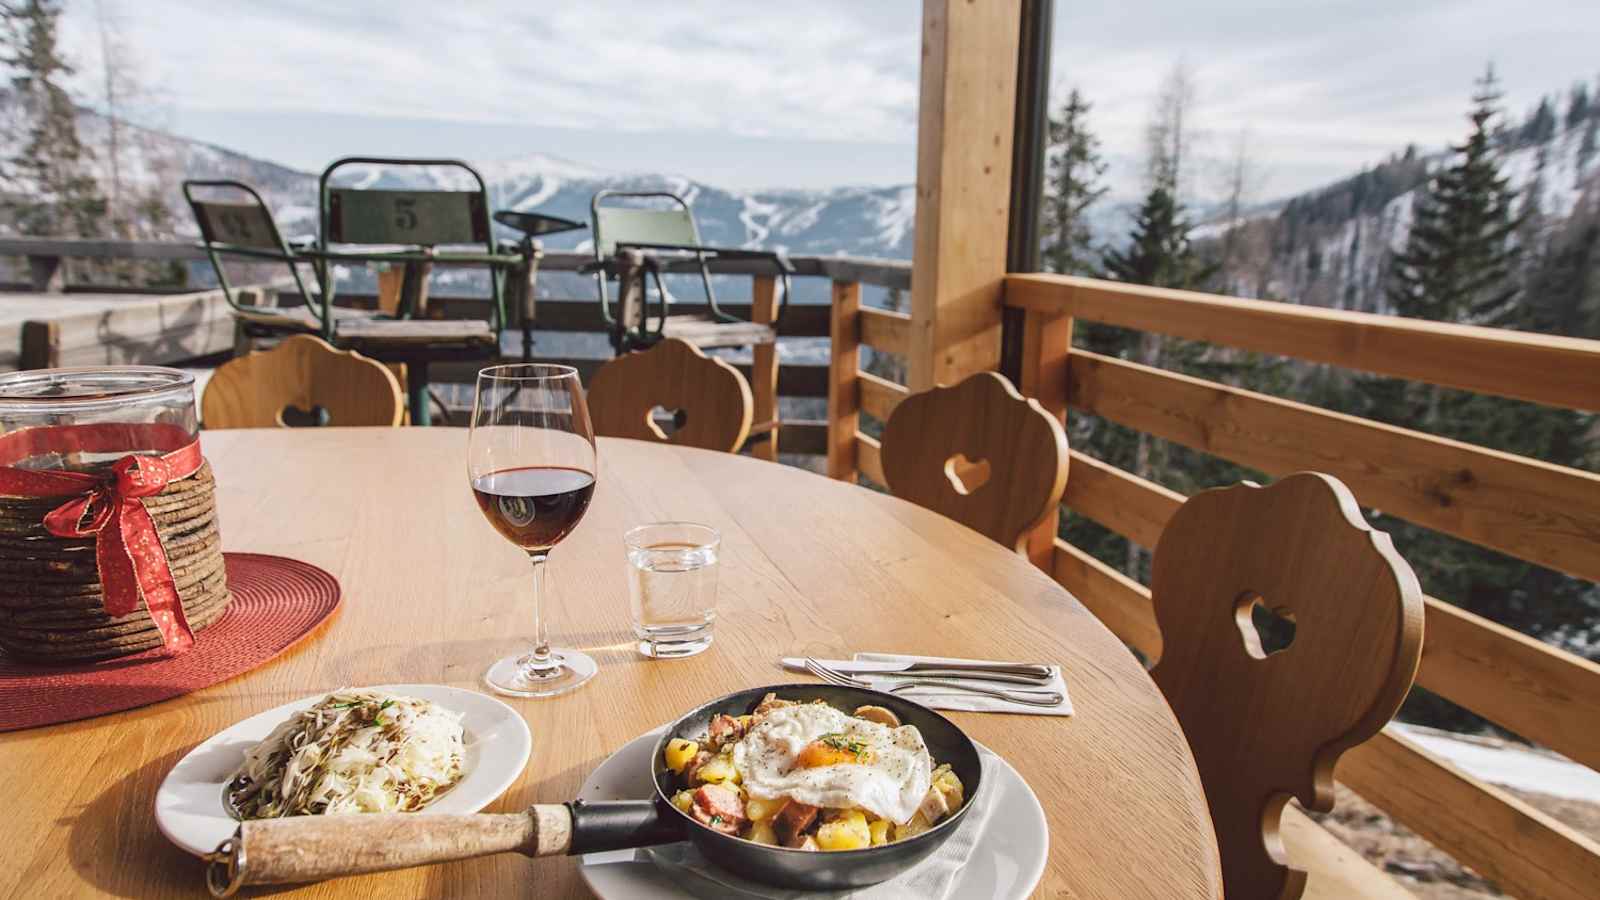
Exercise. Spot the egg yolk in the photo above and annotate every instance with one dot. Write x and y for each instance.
(832, 750)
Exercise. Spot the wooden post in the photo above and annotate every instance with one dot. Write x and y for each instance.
(1046, 343)
(964, 135)
(844, 380)
(41, 345)
(764, 366)
(47, 274)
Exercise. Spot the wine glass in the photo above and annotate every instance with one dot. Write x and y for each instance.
(531, 458)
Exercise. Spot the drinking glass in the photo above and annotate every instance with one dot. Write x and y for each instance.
(672, 587)
(531, 459)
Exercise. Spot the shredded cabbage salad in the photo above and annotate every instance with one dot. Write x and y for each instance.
(354, 751)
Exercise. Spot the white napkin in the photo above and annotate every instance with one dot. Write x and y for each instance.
(961, 700)
(930, 879)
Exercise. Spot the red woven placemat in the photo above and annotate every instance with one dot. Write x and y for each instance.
(277, 602)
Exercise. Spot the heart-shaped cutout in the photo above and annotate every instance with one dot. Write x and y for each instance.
(966, 475)
(1265, 629)
(666, 422)
(295, 417)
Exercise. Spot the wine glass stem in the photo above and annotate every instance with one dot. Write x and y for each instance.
(538, 661)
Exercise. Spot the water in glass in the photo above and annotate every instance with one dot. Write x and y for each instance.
(672, 587)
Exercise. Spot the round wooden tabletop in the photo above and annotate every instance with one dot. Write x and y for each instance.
(433, 594)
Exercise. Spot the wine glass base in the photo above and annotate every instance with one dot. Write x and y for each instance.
(512, 676)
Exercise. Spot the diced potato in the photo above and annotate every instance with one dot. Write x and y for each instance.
(746, 721)
(761, 832)
(810, 843)
(948, 784)
(679, 752)
(720, 769)
(847, 831)
(759, 810)
(881, 831)
(916, 826)
(878, 714)
(683, 800)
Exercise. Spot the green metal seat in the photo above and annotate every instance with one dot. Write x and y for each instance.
(244, 228)
(412, 228)
(668, 230)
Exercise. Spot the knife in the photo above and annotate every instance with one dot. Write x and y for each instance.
(1009, 673)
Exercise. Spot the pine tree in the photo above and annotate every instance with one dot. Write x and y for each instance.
(1458, 264)
(1072, 186)
(1577, 105)
(56, 194)
(1159, 254)
(1540, 125)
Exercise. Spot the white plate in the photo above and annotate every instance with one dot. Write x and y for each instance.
(189, 805)
(1007, 862)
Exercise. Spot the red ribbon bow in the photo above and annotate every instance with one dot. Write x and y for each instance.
(128, 552)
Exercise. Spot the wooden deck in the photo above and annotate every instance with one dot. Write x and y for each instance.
(44, 329)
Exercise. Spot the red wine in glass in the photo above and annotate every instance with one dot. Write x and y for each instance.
(531, 465)
(534, 507)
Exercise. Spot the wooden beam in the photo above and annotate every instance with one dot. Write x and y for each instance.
(1046, 345)
(1557, 371)
(1120, 603)
(41, 345)
(764, 366)
(869, 454)
(1542, 513)
(879, 396)
(1123, 502)
(844, 386)
(1526, 852)
(887, 331)
(1542, 693)
(964, 135)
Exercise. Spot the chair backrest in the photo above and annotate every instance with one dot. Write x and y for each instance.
(711, 395)
(240, 228)
(615, 225)
(980, 453)
(302, 372)
(1267, 722)
(426, 218)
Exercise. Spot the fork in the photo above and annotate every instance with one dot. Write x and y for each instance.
(1029, 698)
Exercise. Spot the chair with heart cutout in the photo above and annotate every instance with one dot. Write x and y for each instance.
(980, 453)
(303, 380)
(1291, 632)
(706, 401)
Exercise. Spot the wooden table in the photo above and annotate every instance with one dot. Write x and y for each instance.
(432, 594)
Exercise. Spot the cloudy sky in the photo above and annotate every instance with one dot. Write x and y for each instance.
(823, 93)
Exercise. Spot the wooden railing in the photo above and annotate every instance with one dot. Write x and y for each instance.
(1535, 511)
(50, 262)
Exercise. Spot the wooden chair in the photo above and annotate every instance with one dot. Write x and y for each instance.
(980, 453)
(1267, 723)
(303, 372)
(711, 398)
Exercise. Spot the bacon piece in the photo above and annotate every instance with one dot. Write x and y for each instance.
(791, 822)
(724, 730)
(719, 808)
(693, 765)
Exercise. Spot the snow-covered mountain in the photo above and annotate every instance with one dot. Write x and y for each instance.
(1332, 247)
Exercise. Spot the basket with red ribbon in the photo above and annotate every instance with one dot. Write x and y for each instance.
(109, 540)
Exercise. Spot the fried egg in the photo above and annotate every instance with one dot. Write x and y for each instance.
(815, 754)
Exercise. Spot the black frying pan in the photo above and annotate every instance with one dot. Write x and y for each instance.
(311, 848)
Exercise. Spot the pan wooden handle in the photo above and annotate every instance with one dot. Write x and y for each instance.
(311, 848)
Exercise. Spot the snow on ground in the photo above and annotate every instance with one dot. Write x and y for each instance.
(1509, 765)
